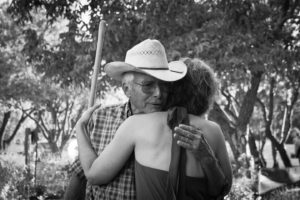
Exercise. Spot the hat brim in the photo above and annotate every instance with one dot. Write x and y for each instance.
(177, 70)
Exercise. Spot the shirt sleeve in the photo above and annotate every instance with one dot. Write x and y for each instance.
(77, 169)
(90, 125)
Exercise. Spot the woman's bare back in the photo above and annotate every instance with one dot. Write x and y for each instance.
(153, 140)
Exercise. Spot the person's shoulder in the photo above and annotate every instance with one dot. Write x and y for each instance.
(213, 125)
(214, 131)
(140, 124)
(202, 123)
(114, 106)
(149, 117)
(202, 120)
(147, 121)
(140, 121)
(111, 108)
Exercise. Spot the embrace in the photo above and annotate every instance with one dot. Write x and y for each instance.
(159, 145)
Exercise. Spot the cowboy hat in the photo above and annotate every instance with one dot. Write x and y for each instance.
(148, 57)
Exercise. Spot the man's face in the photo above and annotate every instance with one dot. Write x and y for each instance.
(147, 94)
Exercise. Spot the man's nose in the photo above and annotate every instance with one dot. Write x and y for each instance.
(157, 91)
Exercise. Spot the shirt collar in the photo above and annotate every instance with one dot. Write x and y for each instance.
(128, 109)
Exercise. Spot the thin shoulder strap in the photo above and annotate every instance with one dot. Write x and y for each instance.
(176, 116)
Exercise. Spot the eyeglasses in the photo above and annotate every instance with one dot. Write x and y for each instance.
(150, 86)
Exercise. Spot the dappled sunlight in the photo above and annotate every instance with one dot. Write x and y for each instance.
(72, 150)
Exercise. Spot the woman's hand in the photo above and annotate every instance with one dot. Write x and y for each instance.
(84, 119)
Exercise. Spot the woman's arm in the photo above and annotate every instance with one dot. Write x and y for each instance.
(103, 168)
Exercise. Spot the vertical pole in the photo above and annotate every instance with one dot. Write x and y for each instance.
(35, 166)
(26, 146)
(97, 63)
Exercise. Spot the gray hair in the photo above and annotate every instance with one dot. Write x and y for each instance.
(127, 77)
(127, 80)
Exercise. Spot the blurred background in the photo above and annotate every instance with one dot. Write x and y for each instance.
(47, 50)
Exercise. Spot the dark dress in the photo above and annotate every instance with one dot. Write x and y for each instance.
(151, 184)
(155, 184)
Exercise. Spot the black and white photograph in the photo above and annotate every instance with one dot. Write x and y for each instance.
(149, 99)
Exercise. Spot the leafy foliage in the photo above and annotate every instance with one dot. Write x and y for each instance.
(27, 86)
(247, 42)
(14, 183)
(20, 183)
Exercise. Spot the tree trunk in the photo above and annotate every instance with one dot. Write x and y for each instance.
(11, 137)
(280, 147)
(286, 123)
(246, 110)
(283, 154)
(64, 139)
(274, 155)
(262, 158)
(3, 126)
(254, 151)
(54, 147)
(218, 115)
(288, 113)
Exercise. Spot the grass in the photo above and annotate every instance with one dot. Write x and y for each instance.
(52, 178)
(18, 182)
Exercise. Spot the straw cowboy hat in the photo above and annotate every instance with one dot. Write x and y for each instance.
(148, 57)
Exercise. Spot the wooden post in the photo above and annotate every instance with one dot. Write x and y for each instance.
(97, 63)
(26, 146)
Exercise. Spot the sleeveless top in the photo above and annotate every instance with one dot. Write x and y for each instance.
(151, 184)
(156, 184)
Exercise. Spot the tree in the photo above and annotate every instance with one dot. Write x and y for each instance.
(246, 41)
(57, 111)
(278, 104)
(11, 68)
(28, 91)
(255, 40)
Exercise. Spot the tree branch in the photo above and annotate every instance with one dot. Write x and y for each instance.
(271, 98)
(263, 109)
(21, 120)
(229, 98)
(37, 123)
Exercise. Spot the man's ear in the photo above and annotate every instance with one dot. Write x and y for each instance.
(126, 89)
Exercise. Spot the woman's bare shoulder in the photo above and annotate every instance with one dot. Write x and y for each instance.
(201, 120)
(204, 124)
(146, 116)
(142, 119)
(211, 131)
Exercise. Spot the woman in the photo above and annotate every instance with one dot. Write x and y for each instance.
(192, 173)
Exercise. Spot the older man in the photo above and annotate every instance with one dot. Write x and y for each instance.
(145, 75)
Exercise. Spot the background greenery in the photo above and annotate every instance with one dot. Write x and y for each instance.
(47, 50)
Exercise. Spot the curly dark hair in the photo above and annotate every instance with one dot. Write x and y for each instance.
(197, 90)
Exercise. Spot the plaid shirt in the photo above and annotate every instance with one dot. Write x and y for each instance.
(102, 128)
